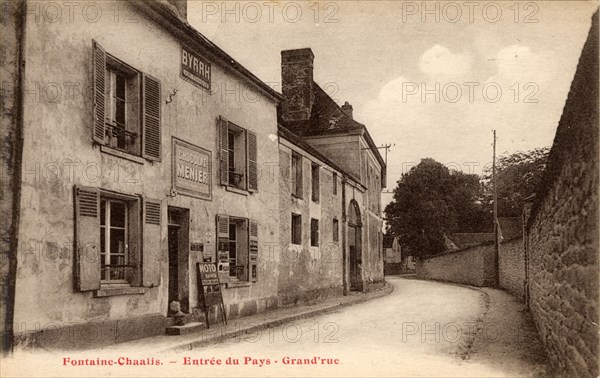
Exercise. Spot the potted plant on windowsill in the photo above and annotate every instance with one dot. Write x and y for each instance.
(130, 138)
(236, 178)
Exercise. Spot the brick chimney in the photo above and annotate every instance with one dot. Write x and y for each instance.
(347, 109)
(297, 84)
(181, 6)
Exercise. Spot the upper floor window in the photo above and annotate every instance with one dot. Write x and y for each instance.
(238, 156)
(297, 175)
(314, 173)
(335, 183)
(122, 126)
(126, 107)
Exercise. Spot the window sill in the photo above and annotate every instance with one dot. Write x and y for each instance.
(233, 189)
(236, 284)
(114, 291)
(295, 197)
(121, 154)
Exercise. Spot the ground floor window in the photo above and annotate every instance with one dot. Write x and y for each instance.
(296, 229)
(314, 232)
(336, 230)
(238, 242)
(114, 247)
(117, 239)
(232, 249)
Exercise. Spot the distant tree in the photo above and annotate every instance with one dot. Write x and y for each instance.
(518, 177)
(466, 196)
(431, 201)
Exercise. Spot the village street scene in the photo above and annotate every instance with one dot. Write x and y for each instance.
(300, 188)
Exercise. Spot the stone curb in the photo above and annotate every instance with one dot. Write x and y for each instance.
(214, 339)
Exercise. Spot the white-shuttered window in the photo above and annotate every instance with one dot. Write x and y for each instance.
(296, 175)
(126, 107)
(238, 239)
(238, 151)
(114, 246)
(117, 239)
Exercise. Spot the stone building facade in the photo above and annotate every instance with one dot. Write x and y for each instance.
(562, 231)
(138, 176)
(310, 113)
(146, 150)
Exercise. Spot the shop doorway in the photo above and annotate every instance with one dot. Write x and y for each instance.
(178, 240)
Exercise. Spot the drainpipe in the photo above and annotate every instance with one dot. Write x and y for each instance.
(16, 158)
(344, 231)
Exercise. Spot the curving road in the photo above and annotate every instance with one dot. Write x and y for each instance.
(422, 329)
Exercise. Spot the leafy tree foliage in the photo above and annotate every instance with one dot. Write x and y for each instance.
(518, 177)
(431, 201)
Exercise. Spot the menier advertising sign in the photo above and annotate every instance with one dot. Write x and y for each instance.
(192, 173)
(195, 68)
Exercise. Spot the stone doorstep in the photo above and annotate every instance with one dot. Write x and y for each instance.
(195, 316)
(185, 329)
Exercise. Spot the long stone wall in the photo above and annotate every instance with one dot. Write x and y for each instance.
(470, 266)
(563, 230)
(511, 265)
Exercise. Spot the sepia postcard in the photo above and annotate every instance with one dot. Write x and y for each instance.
(300, 188)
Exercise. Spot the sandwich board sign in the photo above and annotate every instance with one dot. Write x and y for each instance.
(209, 290)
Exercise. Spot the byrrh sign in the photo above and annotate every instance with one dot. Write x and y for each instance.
(195, 68)
(191, 170)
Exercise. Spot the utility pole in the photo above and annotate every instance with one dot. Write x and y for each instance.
(387, 148)
(496, 233)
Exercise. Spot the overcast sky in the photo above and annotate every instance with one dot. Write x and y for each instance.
(391, 59)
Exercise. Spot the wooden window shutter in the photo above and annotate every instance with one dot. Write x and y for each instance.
(223, 226)
(87, 234)
(151, 251)
(223, 245)
(253, 250)
(135, 240)
(99, 67)
(223, 150)
(151, 146)
(252, 149)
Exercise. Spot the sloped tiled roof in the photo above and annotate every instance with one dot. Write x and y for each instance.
(470, 239)
(328, 118)
(298, 141)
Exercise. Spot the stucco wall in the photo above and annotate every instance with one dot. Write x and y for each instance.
(374, 255)
(343, 150)
(470, 266)
(511, 265)
(563, 230)
(58, 139)
(307, 273)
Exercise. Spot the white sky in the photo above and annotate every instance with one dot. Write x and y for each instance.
(381, 55)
